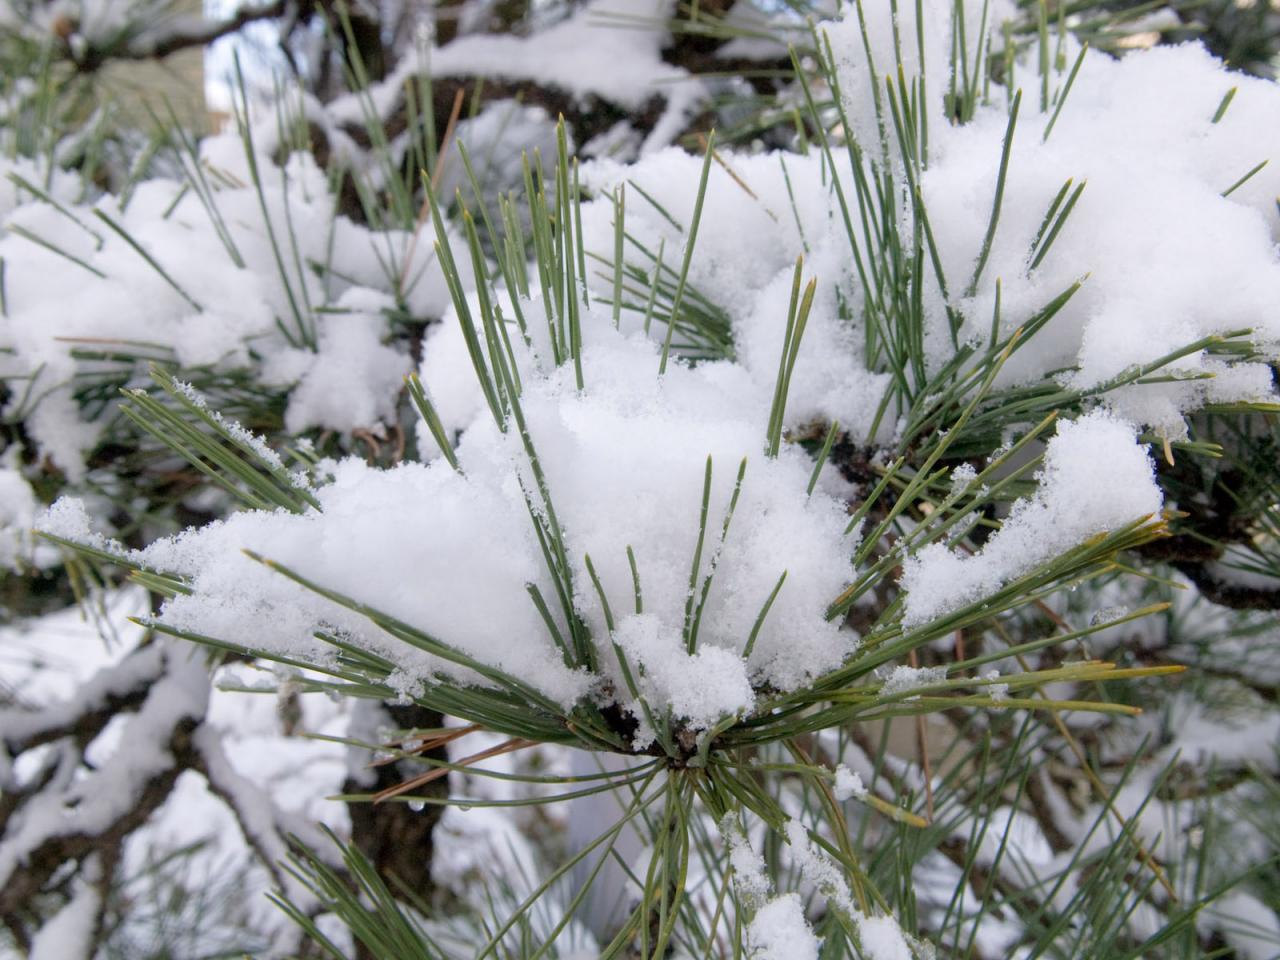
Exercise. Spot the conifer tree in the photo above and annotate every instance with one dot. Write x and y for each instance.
(754, 480)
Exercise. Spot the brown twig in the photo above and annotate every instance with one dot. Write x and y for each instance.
(507, 746)
(922, 746)
(426, 746)
(425, 210)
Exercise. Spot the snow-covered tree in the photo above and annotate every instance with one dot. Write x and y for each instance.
(760, 480)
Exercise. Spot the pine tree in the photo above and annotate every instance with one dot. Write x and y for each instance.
(850, 532)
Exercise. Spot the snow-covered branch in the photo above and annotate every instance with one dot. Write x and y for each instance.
(121, 687)
(71, 817)
(169, 36)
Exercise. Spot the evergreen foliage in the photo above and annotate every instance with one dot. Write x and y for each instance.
(776, 545)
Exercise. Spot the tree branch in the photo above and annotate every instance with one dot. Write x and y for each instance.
(157, 43)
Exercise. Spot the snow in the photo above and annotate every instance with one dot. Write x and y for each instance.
(216, 313)
(710, 684)
(819, 868)
(491, 139)
(1247, 924)
(940, 886)
(1096, 478)
(778, 928)
(61, 185)
(257, 812)
(961, 477)
(998, 692)
(69, 519)
(1233, 570)
(353, 379)
(245, 439)
(1166, 259)
(779, 931)
(868, 46)
(18, 511)
(1241, 739)
(750, 877)
(110, 791)
(849, 784)
(68, 666)
(69, 933)
(584, 55)
(631, 439)
(748, 240)
(879, 937)
(492, 859)
(1016, 835)
(903, 679)
(606, 50)
(129, 676)
(882, 939)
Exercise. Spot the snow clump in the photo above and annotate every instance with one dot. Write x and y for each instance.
(295, 297)
(1162, 257)
(1096, 479)
(452, 554)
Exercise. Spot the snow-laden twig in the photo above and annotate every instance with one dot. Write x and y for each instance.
(68, 821)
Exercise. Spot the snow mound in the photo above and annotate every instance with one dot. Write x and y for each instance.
(1096, 479)
(452, 553)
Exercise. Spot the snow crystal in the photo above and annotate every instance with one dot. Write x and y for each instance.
(353, 379)
(961, 477)
(1107, 614)
(882, 939)
(905, 678)
(245, 438)
(1096, 478)
(750, 876)
(701, 687)
(819, 869)
(69, 519)
(779, 931)
(849, 784)
(999, 692)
